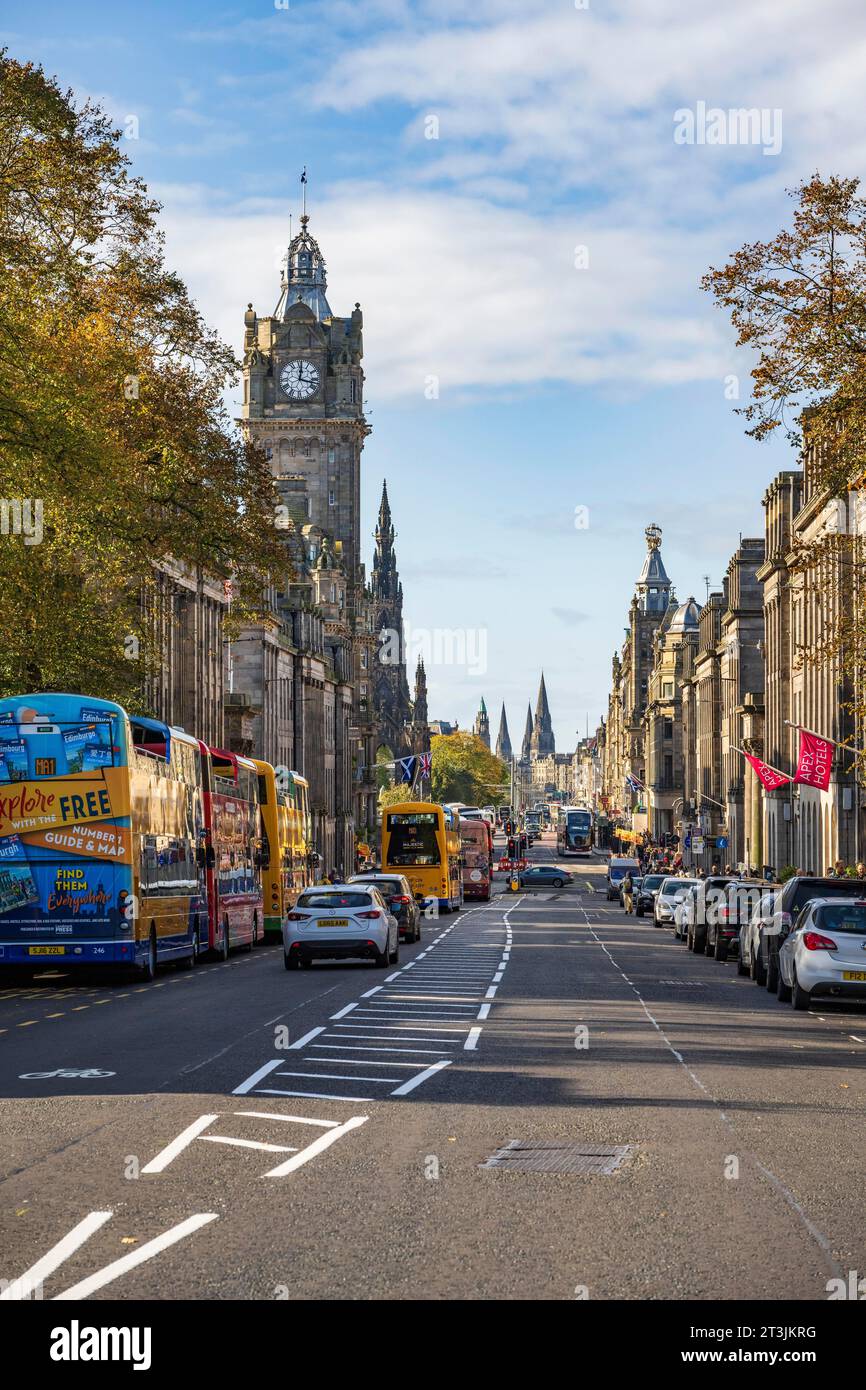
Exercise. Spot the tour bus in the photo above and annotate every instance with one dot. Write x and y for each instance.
(421, 840)
(574, 831)
(234, 858)
(504, 814)
(102, 837)
(476, 845)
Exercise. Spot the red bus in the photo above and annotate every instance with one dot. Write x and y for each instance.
(234, 850)
(476, 843)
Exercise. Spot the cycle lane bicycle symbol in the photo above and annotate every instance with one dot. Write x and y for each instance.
(67, 1073)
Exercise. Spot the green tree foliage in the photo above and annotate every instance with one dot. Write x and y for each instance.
(465, 770)
(111, 408)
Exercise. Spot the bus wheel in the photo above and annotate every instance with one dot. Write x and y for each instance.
(188, 962)
(148, 969)
(224, 948)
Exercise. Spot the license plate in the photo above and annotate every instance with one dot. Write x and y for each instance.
(46, 950)
(859, 975)
(333, 922)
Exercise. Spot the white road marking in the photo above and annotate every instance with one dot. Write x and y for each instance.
(288, 1119)
(491, 993)
(183, 1140)
(250, 1144)
(472, 1041)
(347, 1047)
(26, 1285)
(251, 1081)
(302, 1042)
(318, 1146)
(86, 1287)
(483, 1011)
(374, 990)
(342, 1013)
(422, 1076)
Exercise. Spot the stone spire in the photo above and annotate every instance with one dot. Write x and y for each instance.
(527, 735)
(503, 739)
(543, 741)
(385, 580)
(653, 588)
(419, 707)
(482, 724)
(303, 279)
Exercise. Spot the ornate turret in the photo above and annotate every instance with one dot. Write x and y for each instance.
(503, 740)
(482, 724)
(303, 278)
(653, 589)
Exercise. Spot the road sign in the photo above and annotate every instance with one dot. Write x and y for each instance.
(722, 842)
(697, 844)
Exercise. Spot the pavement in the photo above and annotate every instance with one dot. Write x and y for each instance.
(245, 1132)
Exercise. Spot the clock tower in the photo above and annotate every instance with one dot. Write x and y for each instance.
(303, 397)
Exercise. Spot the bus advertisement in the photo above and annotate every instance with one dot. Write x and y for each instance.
(286, 859)
(574, 831)
(475, 842)
(101, 837)
(234, 873)
(421, 840)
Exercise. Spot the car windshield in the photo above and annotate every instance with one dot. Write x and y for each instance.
(673, 886)
(652, 880)
(618, 871)
(386, 886)
(809, 888)
(848, 917)
(320, 900)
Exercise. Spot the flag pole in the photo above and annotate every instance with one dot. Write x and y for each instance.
(835, 742)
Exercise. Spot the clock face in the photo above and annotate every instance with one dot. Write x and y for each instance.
(300, 379)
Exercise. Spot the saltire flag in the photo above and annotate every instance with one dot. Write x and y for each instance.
(407, 769)
(426, 761)
(769, 777)
(634, 783)
(815, 761)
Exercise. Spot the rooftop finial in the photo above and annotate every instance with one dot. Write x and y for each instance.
(653, 535)
(304, 218)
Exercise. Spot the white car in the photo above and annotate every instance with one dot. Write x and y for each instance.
(749, 960)
(340, 922)
(672, 891)
(825, 955)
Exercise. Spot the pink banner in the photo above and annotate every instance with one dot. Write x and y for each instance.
(767, 776)
(815, 761)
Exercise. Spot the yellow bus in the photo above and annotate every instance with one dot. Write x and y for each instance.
(421, 840)
(286, 851)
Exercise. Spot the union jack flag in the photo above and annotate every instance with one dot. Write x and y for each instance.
(426, 763)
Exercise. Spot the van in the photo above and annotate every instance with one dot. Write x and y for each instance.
(616, 872)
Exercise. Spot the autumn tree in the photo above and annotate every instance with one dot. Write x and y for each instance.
(113, 431)
(798, 302)
(464, 769)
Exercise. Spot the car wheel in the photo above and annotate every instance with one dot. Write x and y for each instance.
(799, 997)
(720, 950)
(638, 912)
(783, 991)
(395, 954)
(708, 948)
(742, 968)
(558, 883)
(756, 966)
(306, 964)
(771, 975)
(381, 958)
(290, 961)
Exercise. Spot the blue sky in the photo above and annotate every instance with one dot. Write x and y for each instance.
(539, 258)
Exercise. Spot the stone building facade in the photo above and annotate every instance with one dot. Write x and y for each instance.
(185, 611)
(663, 739)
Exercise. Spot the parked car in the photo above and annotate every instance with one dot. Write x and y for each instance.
(824, 955)
(732, 908)
(616, 872)
(339, 922)
(750, 962)
(682, 911)
(792, 897)
(644, 898)
(545, 875)
(671, 891)
(700, 907)
(398, 895)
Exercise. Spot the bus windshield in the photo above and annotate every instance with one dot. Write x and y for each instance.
(414, 838)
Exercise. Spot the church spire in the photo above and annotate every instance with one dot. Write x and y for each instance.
(503, 738)
(543, 741)
(482, 724)
(527, 735)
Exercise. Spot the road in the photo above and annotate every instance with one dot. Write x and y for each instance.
(262, 1134)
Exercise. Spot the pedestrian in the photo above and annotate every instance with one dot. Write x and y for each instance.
(728, 869)
(714, 867)
(838, 870)
(628, 892)
(861, 869)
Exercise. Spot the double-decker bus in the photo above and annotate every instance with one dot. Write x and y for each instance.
(234, 859)
(574, 831)
(476, 843)
(102, 837)
(421, 840)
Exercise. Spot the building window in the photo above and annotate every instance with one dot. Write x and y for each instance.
(332, 497)
(332, 456)
(667, 690)
(669, 728)
(353, 391)
(363, 658)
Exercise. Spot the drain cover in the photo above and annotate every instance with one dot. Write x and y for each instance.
(557, 1156)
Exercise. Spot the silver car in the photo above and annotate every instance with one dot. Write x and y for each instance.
(672, 890)
(749, 961)
(340, 922)
(825, 955)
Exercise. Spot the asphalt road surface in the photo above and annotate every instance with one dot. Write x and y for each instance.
(253, 1133)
